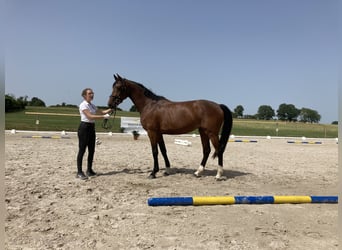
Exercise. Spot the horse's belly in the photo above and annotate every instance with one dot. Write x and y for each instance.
(178, 128)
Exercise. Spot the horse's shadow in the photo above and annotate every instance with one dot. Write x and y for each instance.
(123, 171)
(227, 174)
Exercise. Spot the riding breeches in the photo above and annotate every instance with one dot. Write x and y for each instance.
(86, 139)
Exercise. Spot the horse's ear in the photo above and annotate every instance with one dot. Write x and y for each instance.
(119, 77)
(115, 77)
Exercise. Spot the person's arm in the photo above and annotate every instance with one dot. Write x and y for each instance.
(103, 112)
(90, 116)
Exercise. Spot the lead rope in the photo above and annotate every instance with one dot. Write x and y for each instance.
(107, 124)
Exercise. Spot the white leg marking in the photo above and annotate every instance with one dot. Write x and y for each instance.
(199, 171)
(219, 172)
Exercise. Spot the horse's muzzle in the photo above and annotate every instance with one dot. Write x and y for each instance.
(115, 102)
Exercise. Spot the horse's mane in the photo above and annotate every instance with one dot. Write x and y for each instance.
(148, 93)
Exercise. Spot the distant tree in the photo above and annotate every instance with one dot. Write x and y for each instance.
(239, 111)
(35, 101)
(287, 112)
(13, 104)
(265, 112)
(253, 117)
(133, 109)
(22, 100)
(75, 106)
(309, 115)
(63, 104)
(334, 123)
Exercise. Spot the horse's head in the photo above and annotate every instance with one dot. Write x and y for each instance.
(119, 92)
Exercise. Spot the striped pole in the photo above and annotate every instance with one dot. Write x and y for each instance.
(243, 141)
(46, 137)
(230, 200)
(305, 142)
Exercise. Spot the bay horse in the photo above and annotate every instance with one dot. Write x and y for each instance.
(159, 116)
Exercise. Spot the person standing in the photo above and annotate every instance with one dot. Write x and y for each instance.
(86, 132)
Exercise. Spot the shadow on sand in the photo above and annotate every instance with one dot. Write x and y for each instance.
(227, 174)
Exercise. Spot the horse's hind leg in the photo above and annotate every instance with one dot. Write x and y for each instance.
(164, 154)
(219, 154)
(206, 151)
(220, 166)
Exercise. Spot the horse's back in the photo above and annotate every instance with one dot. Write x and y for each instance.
(195, 109)
(182, 117)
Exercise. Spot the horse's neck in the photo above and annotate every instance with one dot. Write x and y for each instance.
(138, 97)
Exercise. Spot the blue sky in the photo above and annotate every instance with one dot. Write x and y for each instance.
(248, 52)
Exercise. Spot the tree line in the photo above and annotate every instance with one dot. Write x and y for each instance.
(16, 104)
(13, 104)
(285, 112)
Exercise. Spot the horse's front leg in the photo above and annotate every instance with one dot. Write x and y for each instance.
(164, 153)
(154, 146)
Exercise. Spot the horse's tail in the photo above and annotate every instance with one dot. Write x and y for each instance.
(226, 129)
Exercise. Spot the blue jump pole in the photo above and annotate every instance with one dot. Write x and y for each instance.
(230, 200)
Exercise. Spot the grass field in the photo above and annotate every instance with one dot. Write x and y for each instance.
(69, 121)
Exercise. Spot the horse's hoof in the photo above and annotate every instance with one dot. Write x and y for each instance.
(222, 178)
(166, 173)
(197, 175)
(152, 176)
(199, 171)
